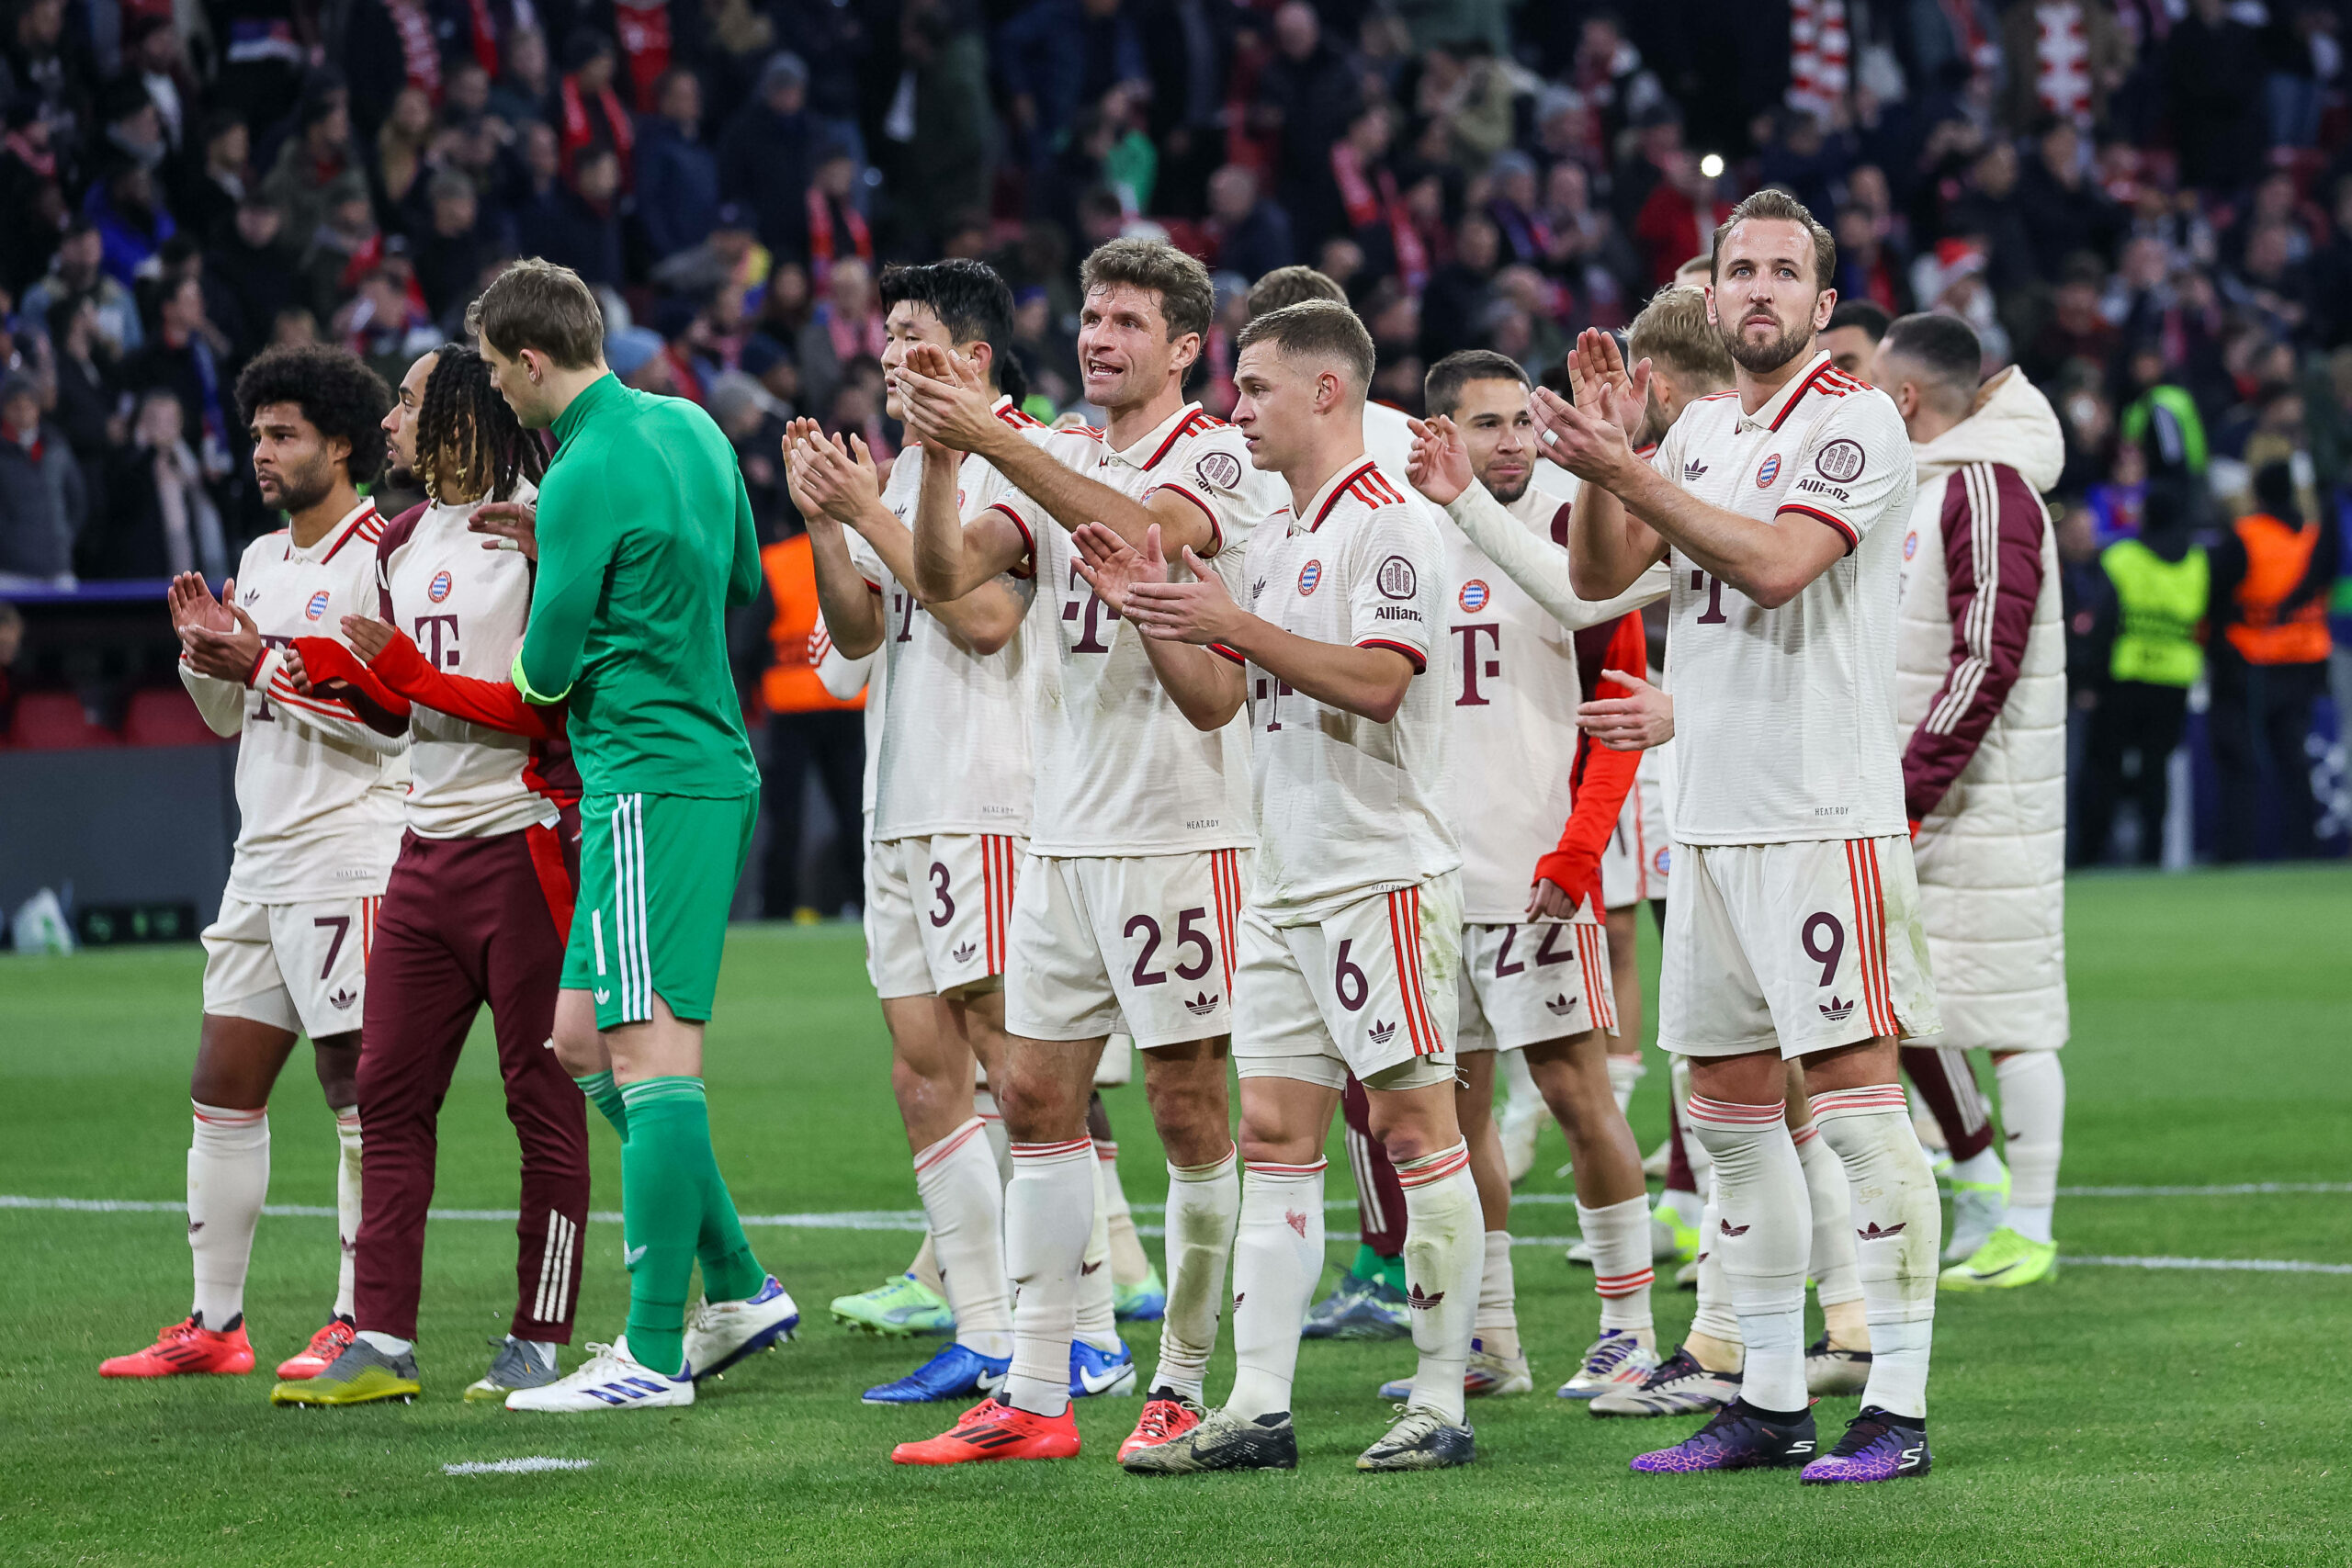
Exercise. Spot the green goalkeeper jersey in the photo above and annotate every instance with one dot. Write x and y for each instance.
(645, 539)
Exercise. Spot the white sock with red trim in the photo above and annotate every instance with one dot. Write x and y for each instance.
(2034, 1113)
(1204, 1209)
(346, 1208)
(1497, 1328)
(1714, 1338)
(1763, 1233)
(1129, 1263)
(1444, 1251)
(999, 1141)
(1098, 1318)
(1619, 1235)
(227, 1177)
(1277, 1258)
(1899, 1227)
(1049, 1213)
(1835, 1278)
(956, 1179)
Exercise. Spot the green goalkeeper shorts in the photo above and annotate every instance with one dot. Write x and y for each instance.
(657, 874)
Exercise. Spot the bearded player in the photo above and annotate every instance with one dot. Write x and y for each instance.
(318, 791)
(1794, 927)
(1126, 906)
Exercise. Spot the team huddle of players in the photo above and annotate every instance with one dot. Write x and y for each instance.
(1299, 742)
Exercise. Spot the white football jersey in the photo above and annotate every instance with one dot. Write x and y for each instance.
(845, 677)
(1513, 685)
(1784, 719)
(954, 756)
(1120, 770)
(318, 792)
(1347, 808)
(465, 607)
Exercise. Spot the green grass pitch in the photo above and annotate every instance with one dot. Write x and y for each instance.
(2120, 1416)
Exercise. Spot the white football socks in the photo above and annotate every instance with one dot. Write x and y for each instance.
(390, 1344)
(999, 1141)
(346, 1208)
(228, 1177)
(1835, 1278)
(1899, 1228)
(1277, 1258)
(1984, 1166)
(1624, 1073)
(1694, 1151)
(1129, 1264)
(1203, 1208)
(1444, 1252)
(1619, 1235)
(1714, 1328)
(1098, 1318)
(1497, 1328)
(964, 1207)
(1763, 1231)
(1049, 1213)
(2034, 1113)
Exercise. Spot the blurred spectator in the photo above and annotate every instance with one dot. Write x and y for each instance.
(187, 358)
(2064, 212)
(307, 177)
(251, 261)
(457, 242)
(1307, 95)
(1678, 218)
(846, 323)
(1460, 294)
(75, 270)
(2076, 332)
(2271, 578)
(1188, 50)
(581, 228)
(1247, 234)
(164, 520)
(207, 200)
(1059, 54)
(525, 83)
(677, 196)
(2213, 74)
(764, 158)
(837, 230)
(591, 113)
(940, 115)
(42, 506)
(2062, 57)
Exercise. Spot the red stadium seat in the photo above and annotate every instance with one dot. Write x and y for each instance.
(54, 721)
(165, 716)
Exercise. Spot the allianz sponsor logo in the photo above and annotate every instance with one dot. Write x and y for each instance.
(1822, 487)
(1396, 612)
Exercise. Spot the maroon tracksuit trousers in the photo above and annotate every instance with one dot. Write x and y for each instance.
(465, 921)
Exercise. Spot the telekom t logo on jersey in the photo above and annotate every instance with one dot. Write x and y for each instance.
(428, 637)
(1473, 665)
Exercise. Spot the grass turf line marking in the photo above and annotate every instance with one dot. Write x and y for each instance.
(912, 1221)
(530, 1466)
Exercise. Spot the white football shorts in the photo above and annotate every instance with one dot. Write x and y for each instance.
(1524, 983)
(300, 967)
(938, 909)
(1135, 944)
(1370, 990)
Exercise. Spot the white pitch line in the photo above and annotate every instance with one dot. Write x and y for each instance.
(530, 1466)
(910, 1220)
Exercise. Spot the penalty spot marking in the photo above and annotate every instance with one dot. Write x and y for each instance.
(912, 1221)
(530, 1466)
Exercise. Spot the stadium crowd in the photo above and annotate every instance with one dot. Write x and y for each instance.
(2146, 208)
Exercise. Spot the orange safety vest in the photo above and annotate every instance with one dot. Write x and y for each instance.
(790, 684)
(2275, 559)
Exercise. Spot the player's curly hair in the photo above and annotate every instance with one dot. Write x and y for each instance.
(467, 438)
(338, 394)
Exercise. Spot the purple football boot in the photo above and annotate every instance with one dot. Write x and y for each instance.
(1877, 1446)
(1738, 1438)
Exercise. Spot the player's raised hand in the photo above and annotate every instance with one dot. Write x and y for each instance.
(1440, 464)
(950, 410)
(231, 655)
(1200, 611)
(795, 431)
(1111, 567)
(926, 359)
(1633, 723)
(842, 486)
(191, 603)
(1604, 385)
(512, 525)
(1591, 448)
(368, 636)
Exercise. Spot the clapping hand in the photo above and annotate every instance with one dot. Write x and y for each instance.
(1199, 612)
(1440, 464)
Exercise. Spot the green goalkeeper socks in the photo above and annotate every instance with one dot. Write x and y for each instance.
(673, 1206)
(606, 1096)
(1370, 1265)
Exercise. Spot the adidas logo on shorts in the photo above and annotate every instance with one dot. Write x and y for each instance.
(1201, 1005)
(1383, 1032)
(964, 951)
(1562, 1005)
(343, 998)
(1836, 1012)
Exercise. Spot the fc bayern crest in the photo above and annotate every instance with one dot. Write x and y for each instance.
(318, 605)
(1662, 861)
(1768, 472)
(1220, 471)
(439, 589)
(1475, 596)
(1308, 576)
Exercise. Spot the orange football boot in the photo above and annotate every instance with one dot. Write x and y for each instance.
(320, 1353)
(994, 1430)
(1162, 1419)
(188, 1347)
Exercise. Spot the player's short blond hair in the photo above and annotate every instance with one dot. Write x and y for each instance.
(1673, 330)
(1315, 329)
(1289, 285)
(536, 304)
(1774, 204)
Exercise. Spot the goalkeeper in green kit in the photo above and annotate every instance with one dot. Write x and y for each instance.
(644, 538)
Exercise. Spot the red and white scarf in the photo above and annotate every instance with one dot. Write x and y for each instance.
(578, 133)
(1820, 49)
(821, 240)
(420, 53)
(1366, 204)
